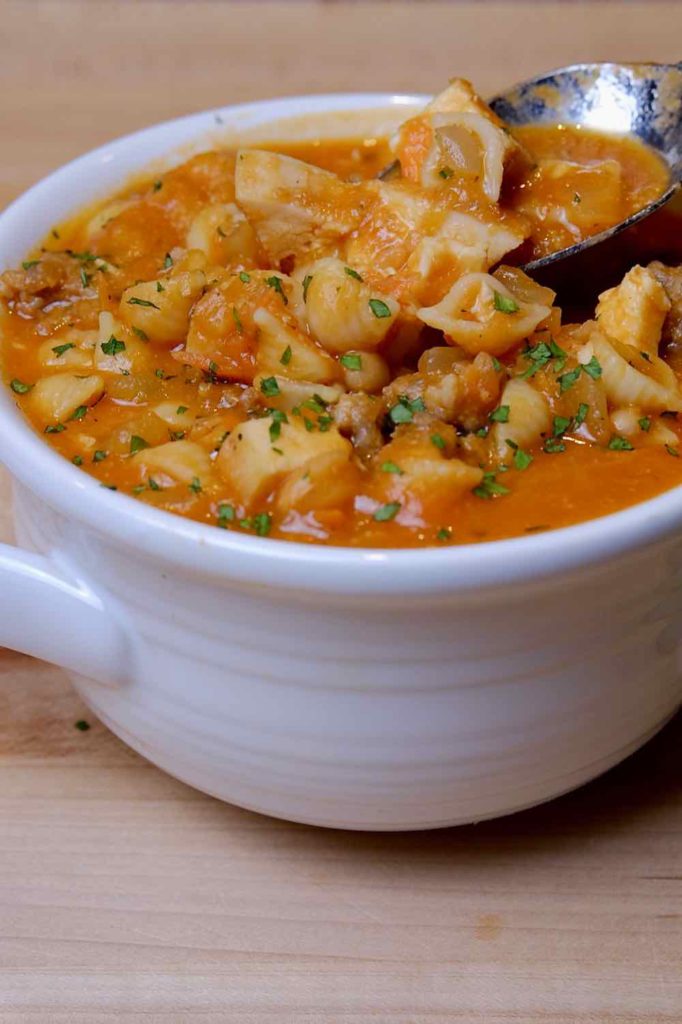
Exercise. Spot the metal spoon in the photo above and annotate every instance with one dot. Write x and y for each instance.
(644, 100)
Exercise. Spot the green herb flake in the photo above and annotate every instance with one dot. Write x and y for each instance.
(27, 264)
(445, 173)
(306, 285)
(497, 365)
(138, 488)
(405, 408)
(78, 413)
(153, 486)
(113, 346)
(645, 424)
(276, 283)
(55, 428)
(244, 278)
(482, 432)
(593, 368)
(269, 386)
(134, 301)
(262, 524)
(554, 446)
(137, 444)
(237, 320)
(577, 199)
(168, 261)
(285, 358)
(142, 335)
(489, 487)
(81, 725)
(159, 287)
(100, 455)
(391, 467)
(385, 513)
(504, 303)
(620, 444)
(157, 186)
(379, 308)
(567, 380)
(500, 415)
(59, 350)
(437, 441)
(352, 273)
(19, 387)
(181, 409)
(521, 459)
(671, 450)
(581, 415)
(85, 278)
(444, 534)
(195, 485)
(560, 426)
(278, 418)
(176, 435)
(226, 514)
(77, 460)
(351, 361)
(539, 355)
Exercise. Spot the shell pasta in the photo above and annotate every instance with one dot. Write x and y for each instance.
(277, 341)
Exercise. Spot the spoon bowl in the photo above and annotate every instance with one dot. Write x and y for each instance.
(643, 100)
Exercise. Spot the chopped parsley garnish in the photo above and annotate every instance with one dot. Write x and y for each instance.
(157, 185)
(504, 303)
(77, 460)
(445, 533)
(245, 278)
(391, 467)
(645, 424)
(81, 725)
(385, 513)
(554, 445)
(84, 257)
(482, 432)
(560, 426)
(113, 346)
(19, 387)
(497, 365)
(278, 418)
(405, 408)
(567, 380)
(489, 487)
(593, 368)
(195, 485)
(645, 355)
(620, 444)
(581, 415)
(55, 428)
(134, 301)
(560, 356)
(237, 320)
(168, 261)
(539, 355)
(142, 335)
(577, 198)
(159, 287)
(276, 283)
(176, 435)
(352, 273)
(379, 308)
(521, 459)
(153, 486)
(99, 455)
(181, 409)
(351, 360)
(262, 524)
(500, 415)
(306, 285)
(671, 450)
(27, 264)
(315, 403)
(59, 350)
(137, 443)
(285, 358)
(437, 441)
(269, 386)
(85, 278)
(78, 413)
(446, 172)
(226, 514)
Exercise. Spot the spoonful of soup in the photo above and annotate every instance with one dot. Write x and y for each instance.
(582, 153)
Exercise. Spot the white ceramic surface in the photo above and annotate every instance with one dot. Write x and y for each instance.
(357, 689)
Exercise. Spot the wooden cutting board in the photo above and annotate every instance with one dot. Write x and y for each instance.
(126, 896)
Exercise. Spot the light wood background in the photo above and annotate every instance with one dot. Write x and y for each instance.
(126, 896)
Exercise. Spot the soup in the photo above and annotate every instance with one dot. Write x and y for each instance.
(274, 341)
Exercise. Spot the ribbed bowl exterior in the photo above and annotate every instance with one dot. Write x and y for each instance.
(390, 712)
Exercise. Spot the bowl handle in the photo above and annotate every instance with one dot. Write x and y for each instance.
(51, 614)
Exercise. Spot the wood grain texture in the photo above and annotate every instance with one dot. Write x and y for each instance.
(126, 896)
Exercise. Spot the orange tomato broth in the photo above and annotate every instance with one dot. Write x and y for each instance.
(583, 482)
